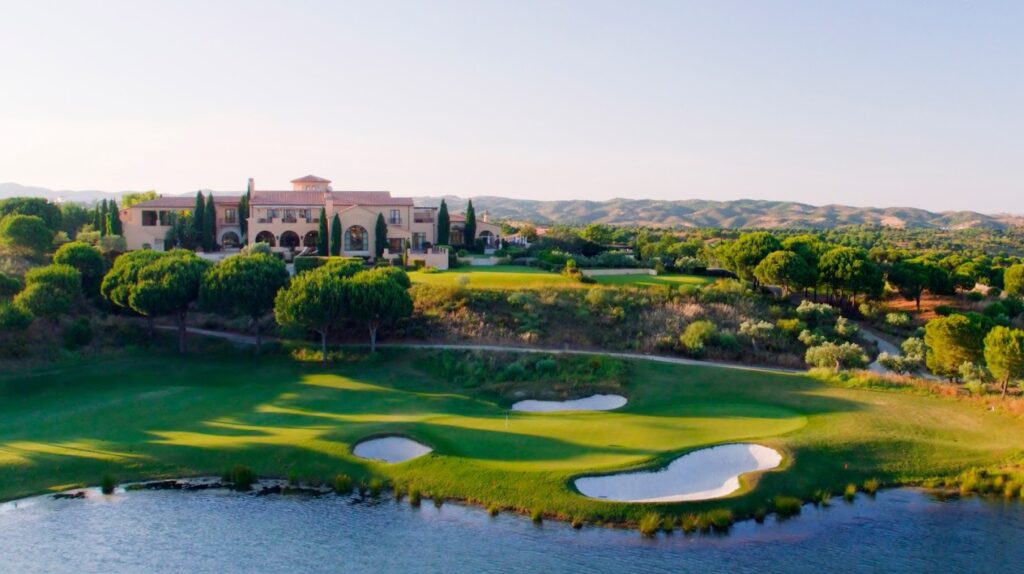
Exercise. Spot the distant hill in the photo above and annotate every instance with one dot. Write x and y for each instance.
(739, 214)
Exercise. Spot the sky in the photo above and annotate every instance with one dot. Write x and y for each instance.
(888, 103)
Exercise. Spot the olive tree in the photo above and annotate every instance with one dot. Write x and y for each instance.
(1004, 355)
(244, 284)
(375, 299)
(314, 301)
(836, 356)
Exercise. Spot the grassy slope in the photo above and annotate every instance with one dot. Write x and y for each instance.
(518, 277)
(163, 416)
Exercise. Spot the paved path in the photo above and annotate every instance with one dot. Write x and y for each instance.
(884, 346)
(240, 339)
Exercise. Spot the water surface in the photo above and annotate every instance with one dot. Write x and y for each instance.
(218, 531)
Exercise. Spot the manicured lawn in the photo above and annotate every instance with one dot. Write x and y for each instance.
(495, 277)
(653, 280)
(161, 416)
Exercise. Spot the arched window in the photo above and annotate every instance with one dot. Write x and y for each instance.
(310, 239)
(290, 239)
(230, 240)
(266, 237)
(355, 239)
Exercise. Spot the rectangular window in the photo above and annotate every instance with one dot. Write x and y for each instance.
(149, 218)
(229, 216)
(396, 216)
(395, 245)
(289, 216)
(419, 240)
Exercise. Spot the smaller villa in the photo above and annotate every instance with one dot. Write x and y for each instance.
(289, 221)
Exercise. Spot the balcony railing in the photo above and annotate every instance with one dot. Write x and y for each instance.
(289, 220)
(423, 219)
(265, 220)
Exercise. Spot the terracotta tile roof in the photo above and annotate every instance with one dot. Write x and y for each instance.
(287, 198)
(184, 202)
(311, 179)
(368, 198)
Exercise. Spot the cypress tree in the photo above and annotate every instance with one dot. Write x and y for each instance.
(321, 235)
(444, 224)
(243, 216)
(102, 226)
(470, 229)
(380, 236)
(209, 225)
(113, 222)
(336, 235)
(197, 218)
(97, 222)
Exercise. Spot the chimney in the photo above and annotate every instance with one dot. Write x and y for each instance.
(484, 216)
(252, 186)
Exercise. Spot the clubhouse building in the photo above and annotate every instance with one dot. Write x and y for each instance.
(289, 220)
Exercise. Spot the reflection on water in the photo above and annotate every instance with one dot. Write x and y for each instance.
(219, 531)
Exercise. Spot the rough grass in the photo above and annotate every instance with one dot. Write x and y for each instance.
(495, 277)
(654, 280)
(154, 416)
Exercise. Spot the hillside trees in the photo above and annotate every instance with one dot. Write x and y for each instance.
(314, 301)
(953, 341)
(50, 213)
(786, 269)
(744, 254)
(245, 284)
(1013, 280)
(910, 279)
(376, 298)
(87, 260)
(1004, 355)
(25, 234)
(167, 286)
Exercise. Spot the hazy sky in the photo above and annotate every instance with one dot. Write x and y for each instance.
(864, 103)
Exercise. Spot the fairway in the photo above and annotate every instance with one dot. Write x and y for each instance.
(146, 417)
(640, 280)
(495, 277)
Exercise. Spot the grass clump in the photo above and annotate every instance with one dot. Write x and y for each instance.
(438, 501)
(850, 492)
(107, 484)
(375, 487)
(649, 524)
(760, 513)
(241, 477)
(668, 525)
(872, 485)
(822, 498)
(537, 515)
(415, 496)
(577, 522)
(719, 520)
(492, 509)
(342, 484)
(1012, 489)
(786, 506)
(690, 523)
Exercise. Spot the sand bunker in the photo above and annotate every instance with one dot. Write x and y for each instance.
(591, 403)
(700, 475)
(390, 449)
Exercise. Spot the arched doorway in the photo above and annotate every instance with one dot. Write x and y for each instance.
(266, 237)
(356, 239)
(289, 240)
(230, 240)
(310, 239)
(486, 236)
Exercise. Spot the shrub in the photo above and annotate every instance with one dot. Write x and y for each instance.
(837, 357)
(376, 486)
(973, 297)
(690, 523)
(719, 520)
(822, 497)
(342, 484)
(415, 496)
(897, 319)
(697, 336)
(107, 484)
(78, 333)
(241, 477)
(492, 509)
(438, 501)
(850, 492)
(943, 310)
(816, 312)
(786, 506)
(9, 286)
(760, 513)
(872, 485)
(13, 317)
(577, 522)
(649, 524)
(537, 515)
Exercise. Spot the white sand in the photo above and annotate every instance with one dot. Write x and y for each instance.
(390, 449)
(700, 475)
(591, 403)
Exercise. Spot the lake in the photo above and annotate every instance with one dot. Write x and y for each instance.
(219, 531)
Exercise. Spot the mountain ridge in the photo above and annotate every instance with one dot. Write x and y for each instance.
(739, 214)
